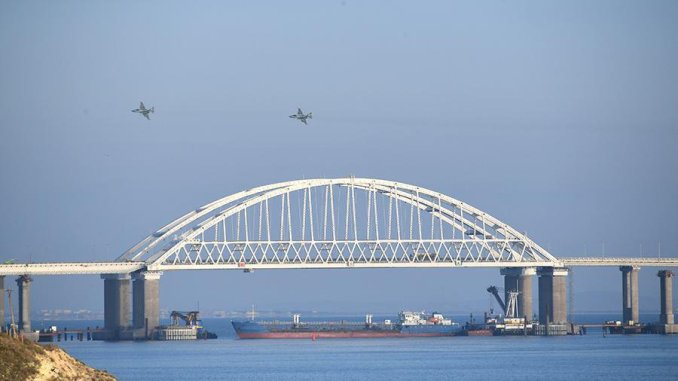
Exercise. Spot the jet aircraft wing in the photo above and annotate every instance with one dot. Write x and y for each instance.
(141, 106)
(146, 115)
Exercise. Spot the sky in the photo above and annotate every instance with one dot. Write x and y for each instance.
(558, 118)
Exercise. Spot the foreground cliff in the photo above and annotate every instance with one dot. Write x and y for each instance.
(29, 361)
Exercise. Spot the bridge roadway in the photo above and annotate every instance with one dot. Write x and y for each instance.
(99, 268)
(71, 268)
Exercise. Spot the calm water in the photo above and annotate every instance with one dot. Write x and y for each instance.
(560, 358)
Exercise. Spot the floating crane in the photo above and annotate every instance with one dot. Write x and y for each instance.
(510, 323)
(190, 318)
(510, 308)
(192, 329)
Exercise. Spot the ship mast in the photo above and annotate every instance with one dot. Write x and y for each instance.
(252, 313)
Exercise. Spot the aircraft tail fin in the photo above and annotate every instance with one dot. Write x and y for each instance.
(310, 115)
(153, 109)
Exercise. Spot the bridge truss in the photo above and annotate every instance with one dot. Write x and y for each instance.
(330, 223)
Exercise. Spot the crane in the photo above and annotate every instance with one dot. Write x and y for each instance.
(190, 318)
(494, 291)
(512, 304)
(510, 308)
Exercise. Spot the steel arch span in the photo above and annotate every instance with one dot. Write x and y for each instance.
(336, 223)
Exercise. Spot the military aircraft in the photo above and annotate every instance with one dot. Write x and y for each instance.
(300, 116)
(143, 110)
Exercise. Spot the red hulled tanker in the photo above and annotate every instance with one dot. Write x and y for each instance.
(410, 324)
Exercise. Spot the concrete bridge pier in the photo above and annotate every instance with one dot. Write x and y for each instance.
(666, 300)
(630, 293)
(2, 303)
(666, 296)
(552, 295)
(519, 280)
(116, 304)
(146, 303)
(24, 284)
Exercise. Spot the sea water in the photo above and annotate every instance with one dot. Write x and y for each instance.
(592, 356)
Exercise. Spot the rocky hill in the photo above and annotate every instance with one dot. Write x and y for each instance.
(25, 360)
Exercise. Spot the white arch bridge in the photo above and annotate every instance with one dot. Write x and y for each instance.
(333, 223)
(329, 223)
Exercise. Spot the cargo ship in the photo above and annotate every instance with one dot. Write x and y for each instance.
(409, 324)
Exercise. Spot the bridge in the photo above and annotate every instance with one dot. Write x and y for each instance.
(333, 224)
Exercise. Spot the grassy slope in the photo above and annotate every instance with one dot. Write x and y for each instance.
(27, 360)
(18, 360)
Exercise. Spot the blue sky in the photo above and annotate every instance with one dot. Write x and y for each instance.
(558, 118)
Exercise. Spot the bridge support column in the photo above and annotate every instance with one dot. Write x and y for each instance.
(116, 303)
(146, 301)
(629, 293)
(24, 284)
(666, 296)
(552, 295)
(2, 303)
(519, 280)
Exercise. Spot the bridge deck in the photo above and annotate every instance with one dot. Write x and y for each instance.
(620, 261)
(84, 268)
(70, 268)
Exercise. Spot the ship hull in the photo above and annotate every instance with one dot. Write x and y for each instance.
(252, 330)
(477, 332)
(334, 335)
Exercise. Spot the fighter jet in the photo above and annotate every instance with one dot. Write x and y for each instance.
(300, 116)
(143, 110)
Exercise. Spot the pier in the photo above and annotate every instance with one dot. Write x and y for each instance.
(57, 335)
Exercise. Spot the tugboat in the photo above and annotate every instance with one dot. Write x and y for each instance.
(471, 328)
